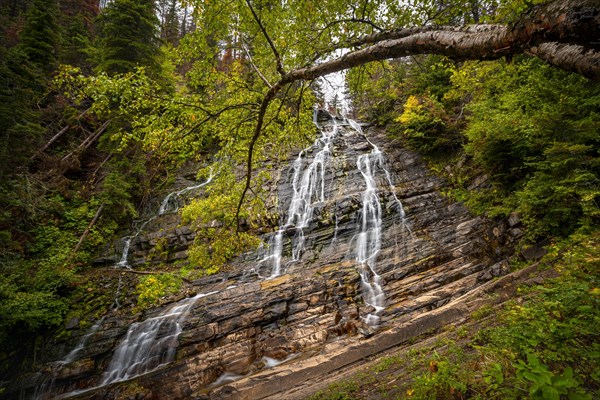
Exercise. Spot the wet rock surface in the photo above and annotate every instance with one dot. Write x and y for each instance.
(255, 326)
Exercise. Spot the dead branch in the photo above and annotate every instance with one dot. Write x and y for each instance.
(89, 228)
(268, 38)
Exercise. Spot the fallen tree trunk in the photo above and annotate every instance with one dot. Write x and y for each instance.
(89, 228)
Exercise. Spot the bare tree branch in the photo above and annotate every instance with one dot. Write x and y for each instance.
(266, 35)
(260, 75)
(88, 229)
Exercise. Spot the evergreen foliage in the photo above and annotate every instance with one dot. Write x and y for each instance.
(76, 29)
(40, 36)
(128, 37)
(20, 129)
(531, 129)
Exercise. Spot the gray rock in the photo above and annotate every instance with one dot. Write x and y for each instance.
(513, 219)
(534, 253)
(468, 227)
(73, 323)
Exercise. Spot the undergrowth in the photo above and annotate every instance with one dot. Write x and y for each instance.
(543, 345)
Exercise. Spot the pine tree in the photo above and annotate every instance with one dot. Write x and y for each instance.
(77, 21)
(170, 25)
(128, 37)
(19, 126)
(40, 38)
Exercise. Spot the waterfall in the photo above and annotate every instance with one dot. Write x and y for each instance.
(169, 206)
(149, 344)
(308, 189)
(368, 243)
(166, 206)
(46, 387)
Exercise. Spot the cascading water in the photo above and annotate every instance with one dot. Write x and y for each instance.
(150, 343)
(46, 387)
(368, 243)
(308, 189)
(124, 261)
(168, 205)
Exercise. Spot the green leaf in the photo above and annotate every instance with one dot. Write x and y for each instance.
(550, 393)
(579, 396)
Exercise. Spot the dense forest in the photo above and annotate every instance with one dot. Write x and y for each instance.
(102, 102)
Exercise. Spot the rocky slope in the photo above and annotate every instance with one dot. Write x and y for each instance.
(252, 333)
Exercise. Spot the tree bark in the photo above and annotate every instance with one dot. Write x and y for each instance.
(564, 33)
(52, 140)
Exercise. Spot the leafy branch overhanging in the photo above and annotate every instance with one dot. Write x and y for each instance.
(559, 32)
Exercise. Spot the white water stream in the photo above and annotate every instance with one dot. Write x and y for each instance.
(368, 243)
(170, 204)
(308, 189)
(149, 344)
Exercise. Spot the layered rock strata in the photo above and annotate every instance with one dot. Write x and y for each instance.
(253, 327)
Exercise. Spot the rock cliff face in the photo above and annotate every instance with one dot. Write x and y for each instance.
(251, 325)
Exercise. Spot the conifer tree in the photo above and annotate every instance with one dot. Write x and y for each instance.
(40, 38)
(170, 24)
(128, 37)
(76, 20)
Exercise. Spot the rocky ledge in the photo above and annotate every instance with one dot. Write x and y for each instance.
(248, 330)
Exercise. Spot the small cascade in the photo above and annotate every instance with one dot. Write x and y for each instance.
(149, 344)
(168, 205)
(270, 362)
(308, 186)
(44, 389)
(124, 262)
(226, 377)
(72, 356)
(368, 243)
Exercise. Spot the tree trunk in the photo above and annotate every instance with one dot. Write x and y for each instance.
(89, 228)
